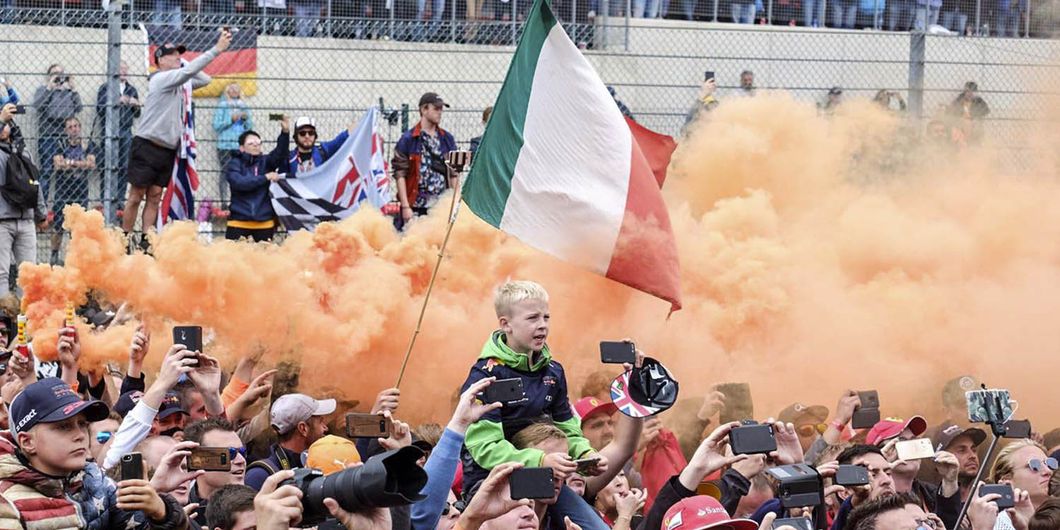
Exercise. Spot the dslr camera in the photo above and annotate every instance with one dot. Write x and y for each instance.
(385, 480)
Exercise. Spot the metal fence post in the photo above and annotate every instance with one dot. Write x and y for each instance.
(715, 18)
(452, 22)
(629, 7)
(515, 23)
(917, 52)
(328, 25)
(769, 13)
(978, 13)
(110, 125)
(605, 15)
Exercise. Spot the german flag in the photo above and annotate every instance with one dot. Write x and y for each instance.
(237, 64)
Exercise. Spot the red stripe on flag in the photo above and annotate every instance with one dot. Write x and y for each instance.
(657, 148)
(229, 62)
(645, 254)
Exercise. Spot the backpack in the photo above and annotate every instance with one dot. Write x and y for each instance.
(20, 187)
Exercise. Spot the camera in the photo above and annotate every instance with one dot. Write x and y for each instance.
(385, 480)
(61, 79)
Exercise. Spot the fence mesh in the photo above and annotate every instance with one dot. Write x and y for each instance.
(330, 61)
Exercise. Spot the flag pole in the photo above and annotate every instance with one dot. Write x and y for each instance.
(454, 208)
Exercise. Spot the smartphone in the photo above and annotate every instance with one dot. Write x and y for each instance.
(916, 449)
(504, 391)
(532, 483)
(189, 336)
(752, 439)
(848, 475)
(618, 352)
(798, 523)
(585, 465)
(20, 109)
(209, 459)
(1007, 499)
(868, 414)
(1018, 429)
(275, 117)
(360, 425)
(738, 404)
(132, 466)
(708, 75)
(989, 406)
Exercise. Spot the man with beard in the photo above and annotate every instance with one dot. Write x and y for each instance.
(880, 483)
(308, 153)
(963, 443)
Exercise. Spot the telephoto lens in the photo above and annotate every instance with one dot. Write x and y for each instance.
(385, 480)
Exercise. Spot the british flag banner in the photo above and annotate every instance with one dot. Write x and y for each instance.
(355, 174)
(178, 202)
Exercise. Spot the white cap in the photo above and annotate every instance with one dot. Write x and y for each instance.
(292, 409)
(304, 121)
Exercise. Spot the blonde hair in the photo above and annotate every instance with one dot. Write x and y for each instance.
(1004, 466)
(535, 434)
(512, 293)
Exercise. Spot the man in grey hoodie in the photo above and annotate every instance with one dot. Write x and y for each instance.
(18, 226)
(154, 148)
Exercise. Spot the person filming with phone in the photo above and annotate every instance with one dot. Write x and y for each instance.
(23, 214)
(48, 480)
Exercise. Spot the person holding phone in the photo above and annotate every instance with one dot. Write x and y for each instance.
(299, 422)
(249, 173)
(419, 160)
(1024, 465)
(18, 223)
(705, 101)
(49, 480)
(56, 101)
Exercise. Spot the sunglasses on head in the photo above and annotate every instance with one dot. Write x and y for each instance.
(811, 429)
(1037, 465)
(103, 437)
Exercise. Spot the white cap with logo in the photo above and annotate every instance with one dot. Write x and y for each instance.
(290, 410)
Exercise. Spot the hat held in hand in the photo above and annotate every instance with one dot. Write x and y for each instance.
(644, 391)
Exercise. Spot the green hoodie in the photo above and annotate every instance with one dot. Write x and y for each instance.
(546, 394)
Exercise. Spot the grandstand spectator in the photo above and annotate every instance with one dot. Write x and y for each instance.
(927, 14)
(900, 14)
(18, 226)
(306, 16)
(154, 148)
(167, 13)
(969, 104)
(128, 110)
(844, 14)
(889, 100)
(230, 121)
(9, 94)
(955, 14)
(747, 84)
(485, 120)
(55, 100)
(831, 101)
(250, 173)
(704, 103)
(309, 154)
(743, 11)
(813, 13)
(419, 160)
(74, 165)
(299, 422)
(1010, 17)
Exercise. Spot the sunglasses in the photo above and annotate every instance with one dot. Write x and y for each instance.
(233, 451)
(811, 429)
(449, 506)
(307, 133)
(103, 437)
(926, 524)
(1037, 465)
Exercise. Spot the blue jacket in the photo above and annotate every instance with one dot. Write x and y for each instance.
(9, 97)
(486, 443)
(321, 153)
(260, 470)
(228, 131)
(250, 189)
(441, 469)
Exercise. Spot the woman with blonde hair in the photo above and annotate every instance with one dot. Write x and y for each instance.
(1023, 465)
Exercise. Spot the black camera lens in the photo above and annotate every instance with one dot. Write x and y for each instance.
(388, 479)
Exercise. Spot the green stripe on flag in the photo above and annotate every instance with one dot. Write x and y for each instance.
(488, 184)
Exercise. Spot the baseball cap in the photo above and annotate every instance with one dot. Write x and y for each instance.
(700, 513)
(949, 432)
(587, 406)
(888, 428)
(332, 453)
(430, 98)
(51, 400)
(793, 412)
(167, 49)
(292, 409)
(304, 121)
(127, 401)
(170, 405)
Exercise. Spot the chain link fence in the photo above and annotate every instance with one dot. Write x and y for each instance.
(339, 58)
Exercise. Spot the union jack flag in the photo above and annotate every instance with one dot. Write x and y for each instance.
(178, 203)
(620, 397)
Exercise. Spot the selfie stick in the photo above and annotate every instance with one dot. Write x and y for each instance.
(998, 430)
(453, 208)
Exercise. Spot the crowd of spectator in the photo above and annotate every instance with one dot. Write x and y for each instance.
(226, 445)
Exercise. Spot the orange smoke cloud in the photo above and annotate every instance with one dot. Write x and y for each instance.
(806, 269)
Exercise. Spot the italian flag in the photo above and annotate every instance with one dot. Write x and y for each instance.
(560, 168)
